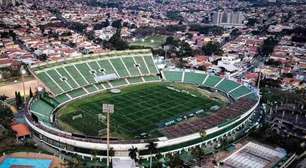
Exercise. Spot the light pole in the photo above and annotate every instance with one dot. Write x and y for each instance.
(23, 72)
(108, 109)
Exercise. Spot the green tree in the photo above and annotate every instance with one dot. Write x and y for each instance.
(133, 153)
(176, 161)
(31, 93)
(6, 116)
(268, 46)
(117, 42)
(198, 153)
(212, 48)
(152, 149)
(185, 50)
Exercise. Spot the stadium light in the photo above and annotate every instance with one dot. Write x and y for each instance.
(108, 109)
(23, 72)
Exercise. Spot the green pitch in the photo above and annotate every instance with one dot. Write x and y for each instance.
(138, 109)
(150, 41)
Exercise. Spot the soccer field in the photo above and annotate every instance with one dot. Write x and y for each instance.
(150, 41)
(138, 109)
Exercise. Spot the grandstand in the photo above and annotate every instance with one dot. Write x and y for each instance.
(145, 110)
(231, 88)
(65, 77)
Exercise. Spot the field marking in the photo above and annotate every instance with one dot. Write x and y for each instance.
(152, 93)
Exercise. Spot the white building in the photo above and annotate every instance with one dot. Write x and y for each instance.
(228, 18)
(230, 63)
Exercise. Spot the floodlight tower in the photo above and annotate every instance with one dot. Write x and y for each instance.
(108, 109)
(23, 72)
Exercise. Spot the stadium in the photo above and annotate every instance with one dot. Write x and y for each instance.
(176, 109)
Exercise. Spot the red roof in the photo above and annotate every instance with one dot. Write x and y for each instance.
(21, 130)
(251, 75)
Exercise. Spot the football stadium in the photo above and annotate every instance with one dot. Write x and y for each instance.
(176, 109)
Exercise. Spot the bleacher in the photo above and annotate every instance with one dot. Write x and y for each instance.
(77, 92)
(42, 110)
(217, 119)
(79, 76)
(211, 81)
(174, 76)
(237, 93)
(194, 78)
(229, 87)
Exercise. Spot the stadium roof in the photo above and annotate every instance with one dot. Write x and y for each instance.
(254, 155)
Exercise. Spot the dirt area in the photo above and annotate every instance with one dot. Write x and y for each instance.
(9, 89)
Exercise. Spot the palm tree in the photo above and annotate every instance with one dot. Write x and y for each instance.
(133, 152)
(152, 148)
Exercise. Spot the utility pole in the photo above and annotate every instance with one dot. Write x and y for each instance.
(108, 109)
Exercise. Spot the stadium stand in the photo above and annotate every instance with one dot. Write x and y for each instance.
(227, 85)
(173, 75)
(212, 81)
(142, 66)
(194, 78)
(74, 75)
(233, 89)
(42, 109)
(242, 90)
(196, 125)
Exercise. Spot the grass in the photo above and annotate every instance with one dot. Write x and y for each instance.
(150, 41)
(138, 109)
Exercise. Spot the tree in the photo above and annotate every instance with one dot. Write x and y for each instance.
(117, 42)
(198, 153)
(117, 24)
(6, 117)
(174, 15)
(175, 161)
(31, 93)
(268, 46)
(212, 48)
(185, 50)
(3, 98)
(133, 153)
(17, 99)
(152, 149)
(158, 162)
